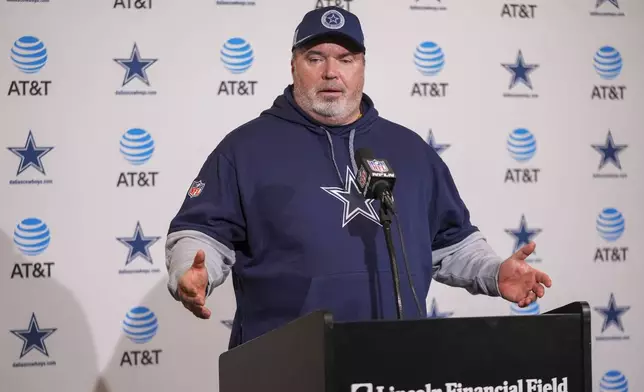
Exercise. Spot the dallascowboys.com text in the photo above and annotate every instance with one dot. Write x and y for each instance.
(30, 182)
(521, 385)
(34, 364)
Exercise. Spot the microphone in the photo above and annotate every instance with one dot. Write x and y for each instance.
(375, 178)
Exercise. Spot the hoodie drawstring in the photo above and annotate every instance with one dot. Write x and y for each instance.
(351, 154)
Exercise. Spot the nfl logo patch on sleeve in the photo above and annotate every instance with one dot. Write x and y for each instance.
(196, 188)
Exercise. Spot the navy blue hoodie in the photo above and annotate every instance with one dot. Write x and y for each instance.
(276, 202)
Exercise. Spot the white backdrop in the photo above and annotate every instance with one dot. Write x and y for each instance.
(107, 159)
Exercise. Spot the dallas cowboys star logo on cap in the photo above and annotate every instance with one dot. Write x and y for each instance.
(520, 71)
(523, 235)
(138, 244)
(30, 155)
(354, 203)
(135, 66)
(609, 151)
(332, 19)
(33, 337)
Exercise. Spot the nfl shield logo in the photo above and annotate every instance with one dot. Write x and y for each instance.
(362, 177)
(378, 166)
(196, 188)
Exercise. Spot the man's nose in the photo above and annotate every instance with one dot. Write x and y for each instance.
(330, 69)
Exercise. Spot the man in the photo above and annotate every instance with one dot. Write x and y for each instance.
(276, 203)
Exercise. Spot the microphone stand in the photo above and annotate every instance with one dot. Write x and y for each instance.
(385, 214)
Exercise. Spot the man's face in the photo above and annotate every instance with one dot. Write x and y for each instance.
(328, 80)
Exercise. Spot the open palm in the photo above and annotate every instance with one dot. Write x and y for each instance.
(519, 282)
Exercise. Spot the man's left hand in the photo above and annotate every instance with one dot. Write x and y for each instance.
(518, 281)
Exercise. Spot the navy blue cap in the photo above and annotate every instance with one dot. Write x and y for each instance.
(328, 21)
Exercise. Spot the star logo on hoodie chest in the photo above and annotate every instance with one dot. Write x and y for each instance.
(353, 202)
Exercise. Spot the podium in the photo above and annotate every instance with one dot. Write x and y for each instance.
(549, 352)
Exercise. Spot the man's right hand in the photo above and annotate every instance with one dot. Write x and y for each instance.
(192, 287)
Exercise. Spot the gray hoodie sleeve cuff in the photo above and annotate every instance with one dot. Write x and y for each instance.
(180, 250)
(471, 264)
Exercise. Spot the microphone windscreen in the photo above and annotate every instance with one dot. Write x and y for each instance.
(363, 153)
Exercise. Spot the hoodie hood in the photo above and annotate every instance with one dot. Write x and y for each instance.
(285, 108)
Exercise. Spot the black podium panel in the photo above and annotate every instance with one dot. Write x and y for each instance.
(292, 358)
(448, 354)
(542, 353)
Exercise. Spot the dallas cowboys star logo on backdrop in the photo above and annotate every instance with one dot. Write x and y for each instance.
(135, 66)
(354, 203)
(439, 148)
(613, 2)
(520, 71)
(138, 244)
(30, 155)
(609, 151)
(612, 314)
(33, 337)
(522, 235)
(227, 323)
(435, 313)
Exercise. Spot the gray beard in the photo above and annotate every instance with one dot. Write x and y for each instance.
(332, 108)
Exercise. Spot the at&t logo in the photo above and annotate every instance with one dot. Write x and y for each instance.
(531, 310)
(140, 326)
(237, 57)
(518, 11)
(610, 227)
(29, 55)
(608, 64)
(613, 381)
(32, 238)
(137, 147)
(522, 146)
(429, 60)
(133, 4)
(346, 4)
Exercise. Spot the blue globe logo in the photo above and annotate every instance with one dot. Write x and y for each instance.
(610, 224)
(613, 381)
(429, 58)
(522, 145)
(29, 54)
(140, 324)
(237, 55)
(137, 146)
(532, 309)
(608, 62)
(31, 236)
